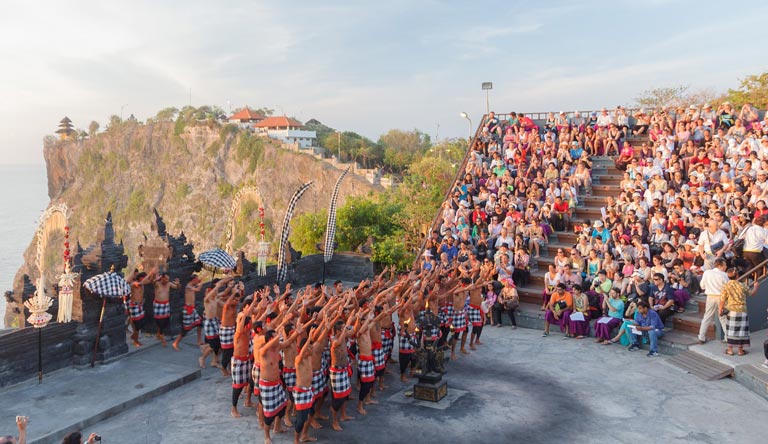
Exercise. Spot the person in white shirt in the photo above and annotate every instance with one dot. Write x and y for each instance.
(712, 282)
(713, 244)
(755, 238)
(604, 120)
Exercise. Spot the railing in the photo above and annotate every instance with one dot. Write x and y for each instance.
(459, 174)
(756, 273)
(758, 304)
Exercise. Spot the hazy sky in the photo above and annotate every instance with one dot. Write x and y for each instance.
(357, 65)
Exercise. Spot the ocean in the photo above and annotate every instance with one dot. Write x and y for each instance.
(23, 201)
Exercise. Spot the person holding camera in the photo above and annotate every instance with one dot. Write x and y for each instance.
(21, 424)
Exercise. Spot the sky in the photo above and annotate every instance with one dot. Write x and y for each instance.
(358, 65)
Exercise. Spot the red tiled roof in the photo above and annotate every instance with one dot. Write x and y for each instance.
(278, 122)
(246, 114)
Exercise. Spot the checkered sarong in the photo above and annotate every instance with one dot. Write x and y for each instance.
(227, 337)
(319, 384)
(211, 328)
(340, 384)
(446, 315)
(325, 362)
(459, 320)
(379, 360)
(190, 319)
(256, 376)
(303, 398)
(136, 311)
(387, 342)
(475, 316)
(365, 368)
(241, 369)
(161, 310)
(406, 344)
(273, 398)
(737, 329)
(289, 378)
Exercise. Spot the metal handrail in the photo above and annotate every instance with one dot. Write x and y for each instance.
(459, 174)
(756, 273)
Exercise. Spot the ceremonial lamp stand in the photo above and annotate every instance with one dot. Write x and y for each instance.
(429, 359)
(38, 307)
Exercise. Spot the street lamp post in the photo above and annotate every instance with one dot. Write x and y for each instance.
(487, 86)
(466, 116)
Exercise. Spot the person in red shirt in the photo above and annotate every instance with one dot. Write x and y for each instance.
(478, 215)
(561, 207)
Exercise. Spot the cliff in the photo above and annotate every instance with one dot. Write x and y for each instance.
(191, 174)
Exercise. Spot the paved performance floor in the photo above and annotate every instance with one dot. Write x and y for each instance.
(519, 388)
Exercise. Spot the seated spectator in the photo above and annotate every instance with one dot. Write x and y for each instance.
(509, 301)
(579, 328)
(662, 299)
(647, 323)
(683, 283)
(21, 424)
(613, 308)
(558, 310)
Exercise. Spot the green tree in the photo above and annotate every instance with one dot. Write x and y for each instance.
(167, 114)
(752, 89)
(307, 230)
(114, 121)
(401, 148)
(93, 128)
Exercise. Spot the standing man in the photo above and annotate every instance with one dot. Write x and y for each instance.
(241, 362)
(340, 371)
(475, 315)
(189, 317)
(227, 329)
(136, 305)
(459, 321)
(161, 306)
(303, 398)
(712, 282)
(713, 244)
(272, 393)
(365, 362)
(211, 324)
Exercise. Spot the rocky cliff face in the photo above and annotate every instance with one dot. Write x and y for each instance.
(191, 175)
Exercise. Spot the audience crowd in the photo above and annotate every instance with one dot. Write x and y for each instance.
(689, 211)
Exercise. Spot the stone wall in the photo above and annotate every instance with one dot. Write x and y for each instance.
(18, 351)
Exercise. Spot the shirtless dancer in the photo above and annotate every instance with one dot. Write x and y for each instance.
(162, 306)
(227, 329)
(136, 305)
(303, 398)
(365, 365)
(459, 317)
(340, 372)
(476, 317)
(288, 373)
(241, 362)
(189, 318)
(273, 397)
(319, 381)
(211, 323)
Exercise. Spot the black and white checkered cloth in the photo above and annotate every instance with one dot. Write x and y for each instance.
(459, 321)
(272, 397)
(446, 315)
(330, 227)
(319, 384)
(325, 361)
(256, 376)
(737, 328)
(340, 384)
(190, 319)
(241, 372)
(475, 317)
(136, 311)
(289, 378)
(227, 337)
(161, 310)
(282, 268)
(406, 341)
(108, 285)
(217, 259)
(365, 368)
(211, 328)
(387, 342)
(303, 397)
(379, 359)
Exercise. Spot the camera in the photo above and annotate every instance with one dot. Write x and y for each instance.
(97, 438)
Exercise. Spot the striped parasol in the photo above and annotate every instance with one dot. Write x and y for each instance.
(217, 259)
(108, 285)
(330, 227)
(282, 269)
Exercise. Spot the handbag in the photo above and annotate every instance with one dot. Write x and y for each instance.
(724, 312)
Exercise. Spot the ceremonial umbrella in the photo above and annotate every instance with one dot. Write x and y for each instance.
(215, 260)
(106, 285)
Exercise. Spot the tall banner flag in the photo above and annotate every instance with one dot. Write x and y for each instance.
(282, 269)
(330, 227)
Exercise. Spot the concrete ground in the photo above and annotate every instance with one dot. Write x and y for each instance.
(519, 387)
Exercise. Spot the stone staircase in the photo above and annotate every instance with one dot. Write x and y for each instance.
(683, 327)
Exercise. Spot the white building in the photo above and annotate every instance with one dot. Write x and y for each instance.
(288, 131)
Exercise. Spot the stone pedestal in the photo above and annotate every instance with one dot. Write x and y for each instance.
(430, 387)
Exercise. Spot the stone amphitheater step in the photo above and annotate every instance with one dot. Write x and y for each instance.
(607, 180)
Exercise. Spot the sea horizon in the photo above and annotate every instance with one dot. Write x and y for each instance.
(22, 205)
